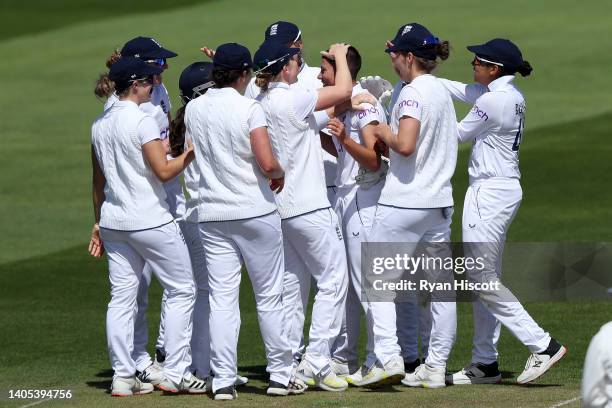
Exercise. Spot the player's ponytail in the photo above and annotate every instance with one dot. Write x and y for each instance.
(443, 50)
(525, 69)
(263, 79)
(177, 133)
(104, 86)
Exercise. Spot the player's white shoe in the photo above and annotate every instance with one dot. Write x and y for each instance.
(341, 369)
(295, 387)
(540, 363)
(240, 380)
(426, 377)
(476, 373)
(378, 375)
(194, 385)
(226, 394)
(326, 380)
(126, 387)
(152, 374)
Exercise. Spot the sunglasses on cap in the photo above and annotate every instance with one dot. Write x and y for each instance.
(146, 80)
(482, 61)
(157, 61)
(266, 63)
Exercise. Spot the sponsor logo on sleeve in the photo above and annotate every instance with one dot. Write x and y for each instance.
(480, 113)
(362, 114)
(409, 103)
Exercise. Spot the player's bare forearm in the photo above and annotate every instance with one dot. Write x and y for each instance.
(366, 157)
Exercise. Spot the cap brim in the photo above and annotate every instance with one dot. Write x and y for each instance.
(160, 53)
(479, 49)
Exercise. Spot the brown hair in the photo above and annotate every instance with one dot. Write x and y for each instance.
(224, 77)
(104, 85)
(442, 51)
(263, 79)
(177, 133)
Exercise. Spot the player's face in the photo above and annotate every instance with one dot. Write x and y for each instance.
(143, 89)
(483, 73)
(401, 64)
(327, 74)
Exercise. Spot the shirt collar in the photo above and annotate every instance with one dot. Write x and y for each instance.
(222, 91)
(500, 82)
(280, 85)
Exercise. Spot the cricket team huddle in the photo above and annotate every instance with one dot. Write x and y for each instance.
(287, 170)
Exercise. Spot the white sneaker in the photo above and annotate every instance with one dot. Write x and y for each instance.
(126, 387)
(378, 375)
(357, 376)
(296, 386)
(476, 373)
(426, 377)
(152, 374)
(341, 369)
(540, 363)
(326, 380)
(194, 385)
(240, 380)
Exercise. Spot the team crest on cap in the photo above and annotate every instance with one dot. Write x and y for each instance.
(407, 29)
(273, 29)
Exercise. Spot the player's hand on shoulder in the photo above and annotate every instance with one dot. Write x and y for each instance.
(96, 246)
(358, 100)
(277, 184)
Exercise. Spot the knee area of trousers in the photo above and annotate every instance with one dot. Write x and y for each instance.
(186, 293)
(269, 302)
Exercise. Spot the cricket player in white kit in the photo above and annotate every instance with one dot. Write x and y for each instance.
(495, 127)
(158, 107)
(597, 372)
(290, 35)
(238, 219)
(135, 228)
(359, 179)
(416, 201)
(312, 236)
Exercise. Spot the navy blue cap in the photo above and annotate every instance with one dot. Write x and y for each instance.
(272, 56)
(145, 48)
(232, 56)
(130, 68)
(415, 38)
(196, 79)
(499, 51)
(283, 32)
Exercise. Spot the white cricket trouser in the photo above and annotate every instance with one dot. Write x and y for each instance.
(258, 242)
(393, 224)
(200, 340)
(164, 249)
(489, 208)
(313, 247)
(141, 327)
(597, 372)
(413, 320)
(356, 207)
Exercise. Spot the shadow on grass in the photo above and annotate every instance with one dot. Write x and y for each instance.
(102, 384)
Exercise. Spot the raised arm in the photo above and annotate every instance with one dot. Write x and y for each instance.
(481, 118)
(329, 96)
(467, 93)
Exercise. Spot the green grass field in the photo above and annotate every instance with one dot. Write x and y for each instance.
(53, 296)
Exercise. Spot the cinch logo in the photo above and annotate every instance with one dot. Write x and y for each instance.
(362, 114)
(409, 103)
(481, 114)
(406, 29)
(273, 29)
